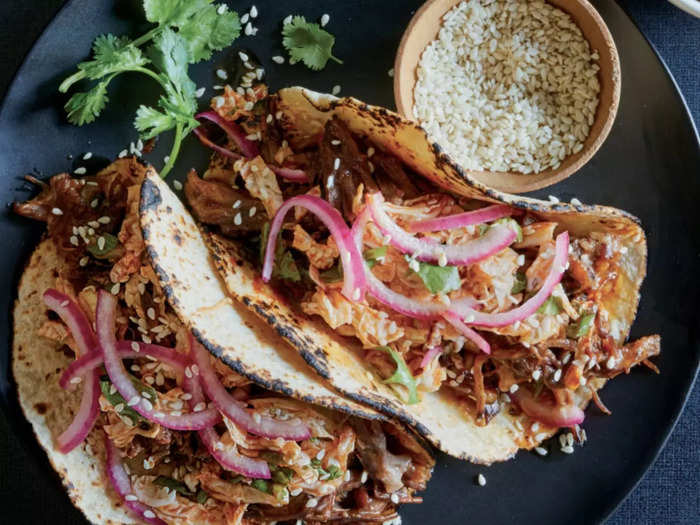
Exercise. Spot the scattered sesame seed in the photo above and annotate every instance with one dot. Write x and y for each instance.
(481, 480)
(84, 261)
(200, 406)
(177, 185)
(222, 9)
(336, 89)
(94, 203)
(251, 211)
(324, 20)
(76, 380)
(80, 171)
(552, 198)
(123, 153)
(513, 388)
(256, 417)
(101, 242)
(311, 503)
(74, 240)
(147, 404)
(115, 289)
(199, 92)
(541, 436)
(363, 477)
(188, 372)
(535, 427)
(336, 164)
(248, 29)
(119, 408)
(566, 358)
(575, 202)
(277, 59)
(520, 260)
(346, 476)
(470, 318)
(219, 101)
(236, 204)
(536, 374)
(245, 19)
(394, 499)
(139, 145)
(610, 363)
(442, 258)
(134, 401)
(195, 370)
(391, 72)
(253, 12)
(237, 220)
(104, 220)
(221, 74)
(151, 313)
(287, 20)
(130, 497)
(356, 294)
(567, 449)
(541, 451)
(557, 375)
(148, 514)
(87, 156)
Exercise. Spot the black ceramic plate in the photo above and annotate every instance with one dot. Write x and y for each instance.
(648, 166)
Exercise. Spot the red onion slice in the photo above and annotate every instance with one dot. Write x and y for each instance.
(122, 485)
(233, 130)
(432, 353)
(529, 307)
(471, 334)
(73, 317)
(209, 144)
(85, 418)
(377, 289)
(106, 311)
(264, 426)
(459, 220)
(550, 415)
(126, 351)
(291, 174)
(350, 257)
(228, 457)
(493, 241)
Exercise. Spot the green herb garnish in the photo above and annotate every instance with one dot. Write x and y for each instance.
(334, 274)
(284, 265)
(116, 399)
(306, 42)
(260, 484)
(178, 486)
(520, 283)
(438, 279)
(482, 229)
(550, 307)
(282, 475)
(372, 255)
(402, 375)
(201, 497)
(186, 32)
(512, 224)
(280, 492)
(110, 243)
(582, 327)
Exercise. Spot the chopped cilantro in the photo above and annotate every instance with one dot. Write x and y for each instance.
(520, 283)
(287, 268)
(482, 229)
(402, 375)
(306, 42)
(260, 484)
(282, 475)
(178, 486)
(280, 492)
(334, 274)
(582, 327)
(373, 255)
(550, 307)
(116, 399)
(110, 243)
(186, 32)
(438, 279)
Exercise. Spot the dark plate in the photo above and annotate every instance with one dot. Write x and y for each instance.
(648, 166)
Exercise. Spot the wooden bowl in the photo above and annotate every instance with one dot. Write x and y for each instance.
(423, 29)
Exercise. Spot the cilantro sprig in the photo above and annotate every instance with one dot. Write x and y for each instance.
(186, 32)
(438, 279)
(402, 375)
(306, 42)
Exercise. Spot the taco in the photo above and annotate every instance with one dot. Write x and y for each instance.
(144, 425)
(486, 321)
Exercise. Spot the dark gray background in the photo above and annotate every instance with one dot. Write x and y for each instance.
(670, 492)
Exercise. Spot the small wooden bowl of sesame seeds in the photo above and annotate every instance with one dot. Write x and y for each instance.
(520, 94)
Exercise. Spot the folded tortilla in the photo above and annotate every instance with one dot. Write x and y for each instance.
(173, 238)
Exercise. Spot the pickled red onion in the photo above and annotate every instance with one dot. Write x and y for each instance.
(431, 354)
(350, 257)
(459, 220)
(470, 333)
(551, 415)
(233, 130)
(529, 307)
(493, 241)
(291, 174)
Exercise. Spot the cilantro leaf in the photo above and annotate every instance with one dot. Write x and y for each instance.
(112, 55)
(172, 12)
(151, 122)
(116, 399)
(306, 42)
(402, 375)
(110, 243)
(209, 31)
(85, 107)
(287, 268)
(334, 274)
(550, 306)
(260, 484)
(520, 283)
(373, 255)
(439, 279)
(582, 327)
(178, 486)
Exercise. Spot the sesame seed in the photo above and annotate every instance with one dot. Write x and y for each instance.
(442, 259)
(513, 388)
(218, 86)
(148, 514)
(80, 171)
(195, 370)
(94, 203)
(74, 240)
(256, 417)
(134, 401)
(151, 313)
(176, 413)
(287, 20)
(104, 220)
(391, 72)
(552, 198)
(536, 374)
(218, 102)
(221, 74)
(566, 358)
(557, 375)
(541, 451)
(248, 106)
(243, 56)
(311, 503)
(535, 427)
(541, 436)
(199, 92)
(575, 202)
(320, 454)
(119, 408)
(470, 318)
(610, 363)
(245, 19)
(146, 339)
(177, 185)
(533, 322)
(481, 480)
(236, 204)
(200, 406)
(123, 153)
(93, 224)
(567, 449)
(76, 380)
(394, 499)
(248, 29)
(325, 19)
(57, 211)
(222, 9)
(336, 89)
(520, 260)
(135, 368)
(87, 156)
(188, 372)
(83, 261)
(336, 164)
(147, 404)
(139, 145)
(363, 477)
(160, 379)
(252, 211)
(346, 476)
(277, 59)
(259, 72)
(130, 497)
(237, 219)
(253, 12)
